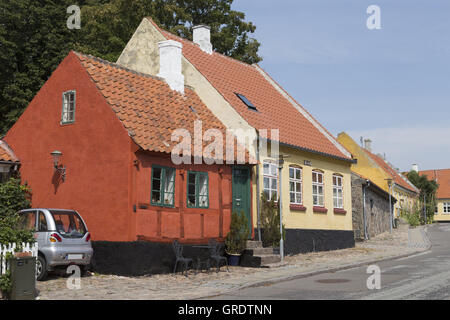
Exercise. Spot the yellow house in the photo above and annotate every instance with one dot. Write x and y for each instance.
(382, 173)
(442, 177)
(316, 174)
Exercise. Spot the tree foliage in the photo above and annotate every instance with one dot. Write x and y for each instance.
(34, 37)
(428, 189)
(270, 222)
(13, 198)
(238, 235)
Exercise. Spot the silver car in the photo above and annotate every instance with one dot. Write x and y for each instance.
(62, 236)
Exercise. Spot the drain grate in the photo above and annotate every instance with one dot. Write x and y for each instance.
(333, 280)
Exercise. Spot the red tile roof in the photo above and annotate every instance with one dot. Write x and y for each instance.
(276, 109)
(147, 107)
(6, 154)
(398, 178)
(442, 177)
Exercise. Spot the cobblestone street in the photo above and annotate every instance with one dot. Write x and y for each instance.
(168, 286)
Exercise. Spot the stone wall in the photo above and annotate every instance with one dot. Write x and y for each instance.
(377, 209)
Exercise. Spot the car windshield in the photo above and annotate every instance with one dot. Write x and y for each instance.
(68, 224)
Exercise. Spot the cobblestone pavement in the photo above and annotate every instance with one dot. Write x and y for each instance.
(172, 287)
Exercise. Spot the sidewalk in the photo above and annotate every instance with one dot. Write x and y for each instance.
(402, 242)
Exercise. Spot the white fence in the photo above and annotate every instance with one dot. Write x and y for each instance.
(11, 248)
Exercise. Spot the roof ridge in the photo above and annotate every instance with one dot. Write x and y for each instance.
(193, 43)
(121, 67)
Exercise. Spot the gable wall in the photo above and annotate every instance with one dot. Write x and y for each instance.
(96, 153)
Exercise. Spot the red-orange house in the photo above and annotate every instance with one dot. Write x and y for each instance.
(113, 127)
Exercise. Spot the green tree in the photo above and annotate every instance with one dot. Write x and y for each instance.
(13, 197)
(238, 235)
(270, 222)
(427, 195)
(34, 37)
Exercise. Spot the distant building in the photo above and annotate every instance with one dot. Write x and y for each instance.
(442, 177)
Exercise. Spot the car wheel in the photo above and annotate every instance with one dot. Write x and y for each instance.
(41, 268)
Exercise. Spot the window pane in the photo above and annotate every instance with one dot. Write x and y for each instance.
(334, 181)
(266, 183)
(315, 201)
(299, 197)
(298, 187)
(266, 168)
(291, 173)
(319, 178)
(42, 222)
(156, 185)
(291, 186)
(203, 184)
(274, 184)
(156, 197)
(298, 174)
(203, 201)
(314, 177)
(292, 197)
(191, 189)
(273, 169)
(191, 200)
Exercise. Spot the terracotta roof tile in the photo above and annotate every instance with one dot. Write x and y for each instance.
(442, 177)
(398, 178)
(6, 154)
(275, 111)
(149, 110)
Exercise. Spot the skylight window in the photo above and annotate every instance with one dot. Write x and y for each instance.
(246, 101)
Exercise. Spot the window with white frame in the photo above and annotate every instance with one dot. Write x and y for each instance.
(318, 192)
(68, 107)
(270, 180)
(295, 185)
(338, 198)
(446, 207)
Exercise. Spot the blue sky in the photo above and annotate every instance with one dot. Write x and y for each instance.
(390, 85)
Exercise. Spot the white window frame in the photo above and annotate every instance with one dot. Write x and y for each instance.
(268, 175)
(446, 206)
(68, 112)
(316, 187)
(338, 191)
(295, 185)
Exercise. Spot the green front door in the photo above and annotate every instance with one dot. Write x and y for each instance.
(241, 193)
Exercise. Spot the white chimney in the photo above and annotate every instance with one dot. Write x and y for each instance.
(170, 64)
(202, 37)
(415, 168)
(368, 144)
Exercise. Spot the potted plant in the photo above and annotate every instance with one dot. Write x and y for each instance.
(236, 239)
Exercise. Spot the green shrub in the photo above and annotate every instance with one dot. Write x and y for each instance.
(13, 197)
(239, 233)
(412, 217)
(270, 222)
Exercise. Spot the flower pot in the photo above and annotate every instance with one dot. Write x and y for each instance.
(233, 259)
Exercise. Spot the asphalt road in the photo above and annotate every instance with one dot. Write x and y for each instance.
(423, 276)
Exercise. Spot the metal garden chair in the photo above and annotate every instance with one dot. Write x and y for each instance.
(178, 249)
(214, 252)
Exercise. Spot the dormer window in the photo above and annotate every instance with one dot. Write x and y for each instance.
(246, 101)
(68, 107)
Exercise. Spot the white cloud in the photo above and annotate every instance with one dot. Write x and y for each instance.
(427, 146)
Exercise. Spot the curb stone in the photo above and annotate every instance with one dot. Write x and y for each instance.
(314, 273)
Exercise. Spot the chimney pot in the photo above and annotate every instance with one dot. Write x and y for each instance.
(368, 144)
(202, 36)
(170, 64)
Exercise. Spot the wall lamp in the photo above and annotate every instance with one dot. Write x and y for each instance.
(58, 168)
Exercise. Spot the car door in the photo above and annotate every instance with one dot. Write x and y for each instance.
(42, 235)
